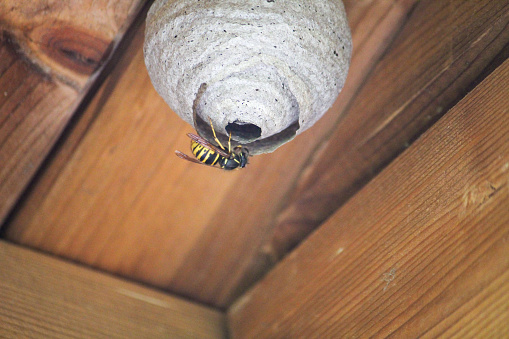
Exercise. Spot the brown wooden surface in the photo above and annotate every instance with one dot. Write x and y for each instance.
(68, 40)
(33, 110)
(116, 197)
(444, 47)
(43, 297)
(421, 251)
(48, 52)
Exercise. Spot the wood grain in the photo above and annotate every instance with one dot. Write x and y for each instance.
(116, 197)
(442, 51)
(50, 55)
(33, 111)
(68, 40)
(420, 251)
(43, 297)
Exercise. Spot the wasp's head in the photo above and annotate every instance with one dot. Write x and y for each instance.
(238, 158)
(242, 153)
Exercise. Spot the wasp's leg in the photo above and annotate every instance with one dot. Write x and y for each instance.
(215, 136)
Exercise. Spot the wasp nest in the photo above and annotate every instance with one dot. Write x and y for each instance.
(262, 70)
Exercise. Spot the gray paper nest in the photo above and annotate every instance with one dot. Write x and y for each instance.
(262, 70)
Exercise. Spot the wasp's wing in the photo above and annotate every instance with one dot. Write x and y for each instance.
(191, 159)
(208, 145)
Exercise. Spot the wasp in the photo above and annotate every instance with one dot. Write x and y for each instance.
(208, 154)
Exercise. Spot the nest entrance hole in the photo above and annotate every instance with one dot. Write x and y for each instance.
(243, 131)
(258, 146)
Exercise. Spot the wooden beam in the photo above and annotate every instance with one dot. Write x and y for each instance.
(43, 297)
(420, 251)
(50, 55)
(445, 48)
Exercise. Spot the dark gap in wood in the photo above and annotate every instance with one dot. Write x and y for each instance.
(494, 64)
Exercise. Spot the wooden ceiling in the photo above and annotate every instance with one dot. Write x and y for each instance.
(111, 194)
(419, 252)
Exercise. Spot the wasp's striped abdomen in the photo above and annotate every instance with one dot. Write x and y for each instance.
(205, 155)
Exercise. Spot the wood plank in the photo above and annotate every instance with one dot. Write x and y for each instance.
(115, 196)
(33, 111)
(50, 55)
(43, 297)
(420, 251)
(445, 48)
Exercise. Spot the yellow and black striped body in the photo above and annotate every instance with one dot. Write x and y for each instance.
(236, 158)
(206, 155)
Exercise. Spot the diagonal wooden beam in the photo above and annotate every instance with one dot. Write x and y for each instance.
(420, 251)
